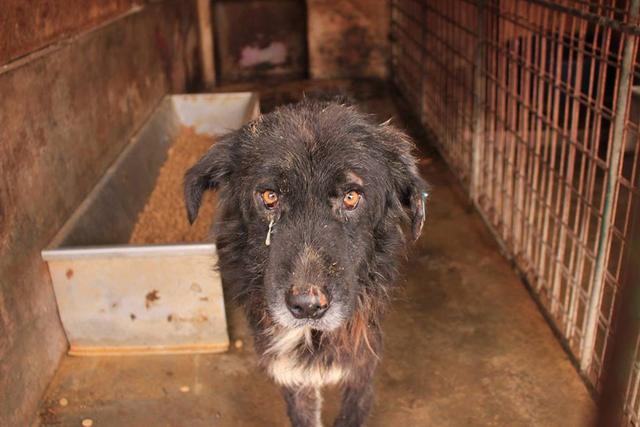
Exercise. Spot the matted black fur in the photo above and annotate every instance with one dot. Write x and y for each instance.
(314, 159)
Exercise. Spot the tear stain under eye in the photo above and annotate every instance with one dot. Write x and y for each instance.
(268, 239)
(425, 197)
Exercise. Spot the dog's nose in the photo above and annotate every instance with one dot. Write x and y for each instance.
(308, 303)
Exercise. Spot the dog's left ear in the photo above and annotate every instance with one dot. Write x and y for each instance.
(410, 188)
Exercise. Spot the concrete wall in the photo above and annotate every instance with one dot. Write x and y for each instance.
(348, 38)
(66, 113)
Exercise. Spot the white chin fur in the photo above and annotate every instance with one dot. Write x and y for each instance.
(287, 372)
(285, 367)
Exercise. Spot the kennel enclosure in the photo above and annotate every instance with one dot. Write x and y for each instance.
(535, 106)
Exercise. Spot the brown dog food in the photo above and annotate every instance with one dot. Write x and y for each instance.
(164, 219)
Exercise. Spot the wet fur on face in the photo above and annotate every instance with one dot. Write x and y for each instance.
(313, 157)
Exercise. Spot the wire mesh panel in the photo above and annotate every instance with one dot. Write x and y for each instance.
(406, 51)
(552, 86)
(535, 105)
(433, 61)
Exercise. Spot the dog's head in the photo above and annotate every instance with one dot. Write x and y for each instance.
(313, 197)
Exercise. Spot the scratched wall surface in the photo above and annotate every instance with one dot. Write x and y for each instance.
(348, 38)
(65, 116)
(260, 39)
(29, 25)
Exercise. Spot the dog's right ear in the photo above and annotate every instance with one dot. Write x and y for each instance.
(211, 171)
(411, 190)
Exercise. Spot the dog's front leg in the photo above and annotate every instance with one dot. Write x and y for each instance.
(303, 406)
(356, 404)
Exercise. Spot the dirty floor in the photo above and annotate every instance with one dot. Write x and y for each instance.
(465, 346)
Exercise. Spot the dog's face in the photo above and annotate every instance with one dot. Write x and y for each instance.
(310, 193)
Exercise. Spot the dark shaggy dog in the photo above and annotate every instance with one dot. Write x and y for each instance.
(309, 228)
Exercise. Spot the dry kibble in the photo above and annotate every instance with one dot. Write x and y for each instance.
(238, 344)
(87, 422)
(184, 388)
(164, 218)
(63, 402)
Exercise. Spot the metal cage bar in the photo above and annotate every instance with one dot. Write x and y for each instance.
(617, 147)
(535, 106)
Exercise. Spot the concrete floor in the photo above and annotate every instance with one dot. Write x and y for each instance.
(465, 346)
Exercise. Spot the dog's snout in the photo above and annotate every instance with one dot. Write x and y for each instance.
(309, 303)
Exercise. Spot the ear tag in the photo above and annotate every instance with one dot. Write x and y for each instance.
(268, 240)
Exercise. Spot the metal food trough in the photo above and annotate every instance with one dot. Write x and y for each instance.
(115, 298)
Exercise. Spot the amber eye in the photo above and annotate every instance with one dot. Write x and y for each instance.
(351, 200)
(269, 198)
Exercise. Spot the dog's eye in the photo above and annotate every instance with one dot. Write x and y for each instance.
(351, 199)
(269, 198)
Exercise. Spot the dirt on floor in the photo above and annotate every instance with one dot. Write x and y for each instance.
(465, 345)
(163, 219)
